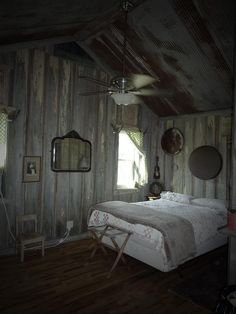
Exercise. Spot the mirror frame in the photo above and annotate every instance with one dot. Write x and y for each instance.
(72, 134)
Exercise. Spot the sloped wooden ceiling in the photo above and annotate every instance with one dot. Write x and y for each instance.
(187, 44)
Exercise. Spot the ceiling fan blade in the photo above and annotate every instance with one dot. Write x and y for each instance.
(93, 80)
(93, 93)
(146, 92)
(152, 92)
(141, 80)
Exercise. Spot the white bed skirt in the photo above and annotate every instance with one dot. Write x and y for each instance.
(156, 257)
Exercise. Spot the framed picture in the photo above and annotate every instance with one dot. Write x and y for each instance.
(31, 168)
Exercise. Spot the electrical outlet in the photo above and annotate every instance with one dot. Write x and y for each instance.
(69, 224)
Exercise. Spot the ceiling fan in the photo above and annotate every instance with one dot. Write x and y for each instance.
(125, 89)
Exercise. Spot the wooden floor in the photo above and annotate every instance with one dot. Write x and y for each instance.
(65, 281)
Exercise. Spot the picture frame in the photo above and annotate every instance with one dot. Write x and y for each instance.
(31, 168)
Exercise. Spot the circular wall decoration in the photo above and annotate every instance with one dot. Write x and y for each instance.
(172, 141)
(205, 162)
(156, 188)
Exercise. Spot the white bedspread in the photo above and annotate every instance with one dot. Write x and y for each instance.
(205, 221)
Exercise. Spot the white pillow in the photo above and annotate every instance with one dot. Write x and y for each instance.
(209, 202)
(176, 197)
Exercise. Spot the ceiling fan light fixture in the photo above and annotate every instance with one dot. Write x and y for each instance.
(125, 98)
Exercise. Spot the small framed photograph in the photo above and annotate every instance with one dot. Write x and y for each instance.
(31, 168)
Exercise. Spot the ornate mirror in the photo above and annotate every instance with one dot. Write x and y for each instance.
(205, 162)
(70, 153)
(172, 141)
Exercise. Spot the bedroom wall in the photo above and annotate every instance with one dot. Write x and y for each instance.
(44, 88)
(233, 178)
(199, 129)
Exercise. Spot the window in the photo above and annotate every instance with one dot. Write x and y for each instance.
(131, 160)
(3, 140)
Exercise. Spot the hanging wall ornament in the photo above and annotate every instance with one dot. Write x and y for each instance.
(156, 174)
(172, 141)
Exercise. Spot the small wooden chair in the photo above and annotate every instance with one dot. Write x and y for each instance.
(28, 240)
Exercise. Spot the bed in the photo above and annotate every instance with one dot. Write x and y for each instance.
(166, 232)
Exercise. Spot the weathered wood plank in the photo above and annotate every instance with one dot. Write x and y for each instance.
(17, 135)
(160, 153)
(199, 140)
(34, 127)
(211, 140)
(111, 156)
(50, 131)
(169, 163)
(179, 162)
(221, 181)
(90, 132)
(62, 179)
(188, 148)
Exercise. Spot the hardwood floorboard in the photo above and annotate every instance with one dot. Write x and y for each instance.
(66, 281)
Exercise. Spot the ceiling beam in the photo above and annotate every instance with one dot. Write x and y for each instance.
(36, 43)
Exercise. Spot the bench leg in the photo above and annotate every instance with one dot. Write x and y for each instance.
(98, 242)
(118, 249)
(121, 249)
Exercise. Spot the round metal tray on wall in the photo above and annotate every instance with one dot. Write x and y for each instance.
(205, 162)
(172, 141)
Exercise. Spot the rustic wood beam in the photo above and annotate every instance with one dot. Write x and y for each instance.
(223, 112)
(37, 43)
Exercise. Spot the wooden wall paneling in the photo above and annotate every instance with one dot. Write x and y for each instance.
(34, 127)
(101, 148)
(50, 131)
(17, 133)
(160, 152)
(77, 124)
(179, 162)
(72, 176)
(62, 178)
(228, 133)
(152, 144)
(199, 140)
(199, 130)
(232, 203)
(4, 83)
(211, 140)
(188, 148)
(91, 126)
(70, 118)
(111, 151)
(82, 191)
(221, 184)
(9, 190)
(168, 161)
(149, 124)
